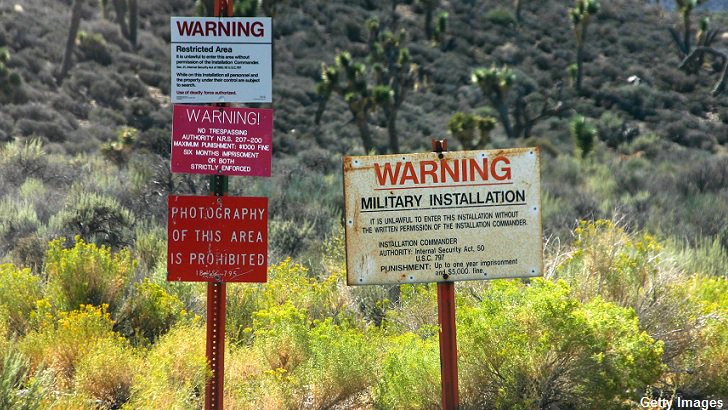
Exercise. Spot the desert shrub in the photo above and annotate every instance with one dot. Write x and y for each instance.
(106, 372)
(281, 336)
(149, 312)
(22, 159)
(119, 151)
(288, 283)
(698, 373)
(92, 46)
(107, 93)
(416, 311)
(500, 17)
(410, 374)
(150, 246)
(273, 389)
(96, 218)
(372, 302)
(108, 117)
(638, 101)
(19, 389)
(17, 220)
(632, 271)
(19, 291)
(175, 371)
(61, 341)
(7, 337)
(701, 215)
(48, 130)
(30, 251)
(287, 237)
(704, 174)
(608, 262)
(533, 346)
(142, 114)
(11, 83)
(613, 130)
(38, 196)
(86, 274)
(707, 257)
(242, 302)
(651, 145)
(342, 363)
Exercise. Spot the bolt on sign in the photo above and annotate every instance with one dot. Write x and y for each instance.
(216, 60)
(222, 140)
(217, 239)
(450, 216)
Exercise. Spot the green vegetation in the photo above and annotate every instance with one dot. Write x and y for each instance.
(583, 336)
(581, 15)
(634, 300)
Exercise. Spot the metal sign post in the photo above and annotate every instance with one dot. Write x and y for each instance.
(448, 334)
(216, 291)
(218, 238)
(443, 217)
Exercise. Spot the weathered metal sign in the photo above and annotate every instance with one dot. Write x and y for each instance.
(466, 215)
(217, 238)
(218, 60)
(222, 140)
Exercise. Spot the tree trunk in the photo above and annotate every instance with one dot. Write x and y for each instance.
(120, 8)
(71, 40)
(392, 131)
(428, 23)
(505, 120)
(104, 9)
(686, 33)
(579, 67)
(366, 135)
(133, 22)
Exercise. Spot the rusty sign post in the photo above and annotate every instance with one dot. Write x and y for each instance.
(448, 333)
(219, 238)
(216, 291)
(443, 217)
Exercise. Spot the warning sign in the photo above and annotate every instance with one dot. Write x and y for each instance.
(222, 140)
(218, 60)
(217, 239)
(467, 215)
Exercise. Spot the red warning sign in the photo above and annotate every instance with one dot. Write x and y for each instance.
(222, 140)
(217, 239)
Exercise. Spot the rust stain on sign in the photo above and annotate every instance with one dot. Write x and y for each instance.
(450, 216)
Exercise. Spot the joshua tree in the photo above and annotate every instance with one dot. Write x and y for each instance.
(348, 79)
(495, 83)
(697, 56)
(583, 134)
(429, 6)
(580, 18)
(440, 29)
(394, 75)
(472, 130)
(518, 6)
(10, 82)
(685, 8)
(129, 25)
(70, 41)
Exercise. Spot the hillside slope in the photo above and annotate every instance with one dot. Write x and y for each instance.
(660, 130)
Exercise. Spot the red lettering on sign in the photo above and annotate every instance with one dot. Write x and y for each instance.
(443, 172)
(217, 239)
(221, 28)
